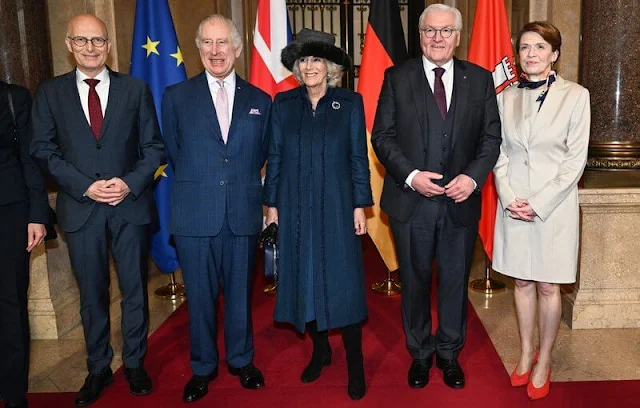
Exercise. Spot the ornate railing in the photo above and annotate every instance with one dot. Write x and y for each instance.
(346, 19)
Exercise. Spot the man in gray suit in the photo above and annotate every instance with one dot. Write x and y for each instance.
(96, 133)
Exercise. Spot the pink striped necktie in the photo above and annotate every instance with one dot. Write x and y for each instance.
(222, 109)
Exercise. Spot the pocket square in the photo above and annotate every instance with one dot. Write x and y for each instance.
(254, 111)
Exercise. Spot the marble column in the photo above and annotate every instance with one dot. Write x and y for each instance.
(610, 57)
(24, 43)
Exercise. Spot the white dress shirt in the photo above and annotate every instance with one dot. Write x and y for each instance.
(447, 80)
(102, 89)
(229, 86)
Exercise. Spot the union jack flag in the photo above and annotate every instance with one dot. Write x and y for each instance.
(271, 35)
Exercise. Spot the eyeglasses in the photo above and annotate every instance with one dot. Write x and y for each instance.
(82, 41)
(430, 32)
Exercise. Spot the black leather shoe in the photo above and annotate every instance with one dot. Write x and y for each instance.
(93, 386)
(451, 372)
(198, 386)
(419, 373)
(139, 381)
(314, 369)
(250, 377)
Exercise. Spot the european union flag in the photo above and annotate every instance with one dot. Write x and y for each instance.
(156, 58)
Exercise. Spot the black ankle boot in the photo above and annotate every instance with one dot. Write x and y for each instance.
(352, 339)
(321, 353)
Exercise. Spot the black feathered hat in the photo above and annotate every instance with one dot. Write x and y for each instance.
(317, 44)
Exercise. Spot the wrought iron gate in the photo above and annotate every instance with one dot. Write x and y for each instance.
(346, 19)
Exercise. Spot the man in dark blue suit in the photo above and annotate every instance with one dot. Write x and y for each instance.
(215, 130)
(96, 132)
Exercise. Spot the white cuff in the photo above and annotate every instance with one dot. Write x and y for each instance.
(410, 178)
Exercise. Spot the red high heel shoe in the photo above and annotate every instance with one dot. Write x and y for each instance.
(518, 380)
(538, 393)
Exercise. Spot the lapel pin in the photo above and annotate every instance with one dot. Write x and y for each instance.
(335, 105)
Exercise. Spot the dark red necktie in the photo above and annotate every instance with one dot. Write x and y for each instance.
(95, 109)
(439, 93)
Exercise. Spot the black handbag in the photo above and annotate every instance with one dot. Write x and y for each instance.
(50, 229)
(268, 240)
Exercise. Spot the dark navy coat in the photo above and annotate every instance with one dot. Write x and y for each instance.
(317, 173)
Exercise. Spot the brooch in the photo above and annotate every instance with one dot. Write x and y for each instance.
(335, 105)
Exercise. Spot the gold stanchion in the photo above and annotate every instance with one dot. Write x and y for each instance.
(172, 291)
(387, 287)
(488, 285)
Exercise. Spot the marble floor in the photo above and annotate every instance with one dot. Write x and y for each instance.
(579, 355)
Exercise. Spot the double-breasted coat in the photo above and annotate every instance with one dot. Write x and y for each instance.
(317, 173)
(542, 157)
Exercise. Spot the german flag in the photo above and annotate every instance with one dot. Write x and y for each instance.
(384, 47)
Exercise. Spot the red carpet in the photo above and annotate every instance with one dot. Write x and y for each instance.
(282, 355)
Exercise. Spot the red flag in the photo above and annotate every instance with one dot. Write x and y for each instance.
(490, 47)
(383, 47)
(272, 33)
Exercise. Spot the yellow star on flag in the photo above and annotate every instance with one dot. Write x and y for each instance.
(178, 57)
(151, 47)
(160, 172)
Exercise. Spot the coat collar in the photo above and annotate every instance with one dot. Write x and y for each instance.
(419, 86)
(113, 104)
(461, 94)
(552, 104)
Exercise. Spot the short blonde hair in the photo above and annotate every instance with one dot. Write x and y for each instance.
(334, 72)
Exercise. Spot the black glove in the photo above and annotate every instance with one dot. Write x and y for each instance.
(269, 236)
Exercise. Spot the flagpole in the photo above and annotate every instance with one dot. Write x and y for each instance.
(387, 287)
(172, 291)
(488, 285)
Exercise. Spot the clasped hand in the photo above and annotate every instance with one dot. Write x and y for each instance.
(458, 189)
(521, 210)
(112, 191)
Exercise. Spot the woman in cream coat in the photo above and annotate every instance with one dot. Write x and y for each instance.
(545, 136)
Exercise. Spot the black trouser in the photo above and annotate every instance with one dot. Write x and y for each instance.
(14, 318)
(88, 251)
(433, 232)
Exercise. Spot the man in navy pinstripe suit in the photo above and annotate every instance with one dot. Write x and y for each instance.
(215, 129)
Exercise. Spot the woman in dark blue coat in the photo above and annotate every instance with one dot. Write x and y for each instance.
(317, 186)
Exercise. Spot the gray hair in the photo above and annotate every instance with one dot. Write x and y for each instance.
(236, 38)
(442, 7)
(334, 72)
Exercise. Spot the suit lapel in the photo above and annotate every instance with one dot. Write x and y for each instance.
(550, 108)
(71, 90)
(461, 92)
(240, 101)
(113, 103)
(419, 87)
(519, 118)
(202, 93)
